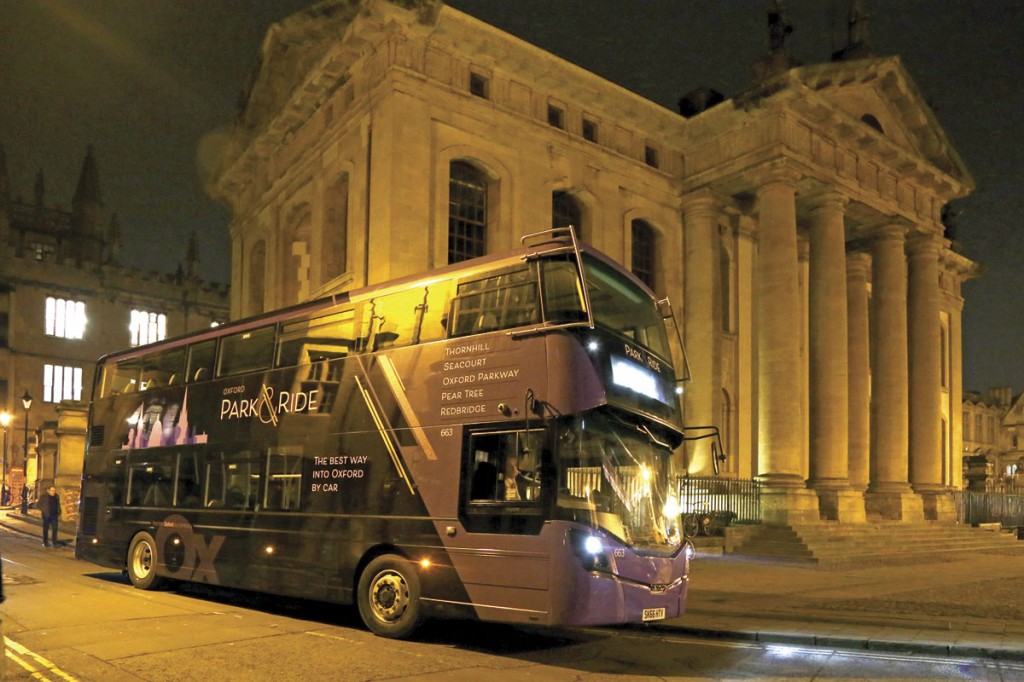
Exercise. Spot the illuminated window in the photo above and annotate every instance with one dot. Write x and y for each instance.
(467, 212)
(42, 251)
(61, 383)
(65, 318)
(147, 327)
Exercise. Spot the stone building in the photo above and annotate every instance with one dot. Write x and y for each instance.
(65, 300)
(1011, 462)
(797, 225)
(993, 427)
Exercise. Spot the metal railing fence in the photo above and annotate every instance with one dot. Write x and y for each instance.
(734, 501)
(985, 507)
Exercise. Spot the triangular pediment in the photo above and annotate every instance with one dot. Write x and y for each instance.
(878, 95)
(290, 49)
(1015, 415)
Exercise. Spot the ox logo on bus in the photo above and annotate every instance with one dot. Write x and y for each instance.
(268, 405)
(187, 555)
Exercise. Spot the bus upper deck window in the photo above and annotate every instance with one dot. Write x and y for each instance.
(502, 300)
(162, 369)
(122, 377)
(322, 338)
(563, 295)
(247, 351)
(200, 360)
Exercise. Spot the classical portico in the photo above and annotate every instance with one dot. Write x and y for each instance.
(873, 309)
(862, 182)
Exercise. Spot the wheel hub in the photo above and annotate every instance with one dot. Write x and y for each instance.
(389, 596)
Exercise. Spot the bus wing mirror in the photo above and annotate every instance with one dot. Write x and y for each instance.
(675, 341)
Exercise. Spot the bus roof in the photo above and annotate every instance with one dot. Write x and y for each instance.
(557, 243)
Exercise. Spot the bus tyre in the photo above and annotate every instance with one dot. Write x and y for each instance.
(142, 561)
(389, 597)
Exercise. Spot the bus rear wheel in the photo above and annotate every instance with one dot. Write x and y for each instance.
(389, 597)
(142, 562)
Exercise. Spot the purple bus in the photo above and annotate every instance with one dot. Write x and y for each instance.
(491, 440)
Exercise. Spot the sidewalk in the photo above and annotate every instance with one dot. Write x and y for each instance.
(31, 523)
(960, 606)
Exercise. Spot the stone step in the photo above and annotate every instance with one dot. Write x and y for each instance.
(835, 544)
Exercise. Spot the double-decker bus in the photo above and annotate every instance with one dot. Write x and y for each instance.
(490, 440)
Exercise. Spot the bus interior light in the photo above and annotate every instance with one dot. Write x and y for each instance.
(593, 345)
(269, 549)
(671, 508)
(424, 563)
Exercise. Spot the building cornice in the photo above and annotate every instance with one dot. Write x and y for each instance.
(384, 36)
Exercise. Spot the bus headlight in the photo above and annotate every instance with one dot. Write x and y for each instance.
(590, 550)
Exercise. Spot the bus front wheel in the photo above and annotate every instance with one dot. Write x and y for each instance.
(142, 561)
(389, 597)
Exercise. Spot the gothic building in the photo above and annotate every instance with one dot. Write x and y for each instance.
(65, 300)
(993, 425)
(796, 224)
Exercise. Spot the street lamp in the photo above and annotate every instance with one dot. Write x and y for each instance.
(5, 421)
(26, 400)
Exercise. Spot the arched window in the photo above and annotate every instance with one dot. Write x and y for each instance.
(943, 354)
(257, 272)
(467, 212)
(643, 252)
(726, 427)
(944, 445)
(565, 211)
(295, 256)
(334, 241)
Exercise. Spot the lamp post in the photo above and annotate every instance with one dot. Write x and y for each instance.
(5, 421)
(26, 400)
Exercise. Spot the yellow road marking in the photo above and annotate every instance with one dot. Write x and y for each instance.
(20, 655)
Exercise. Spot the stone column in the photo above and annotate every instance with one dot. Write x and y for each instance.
(700, 220)
(72, 426)
(954, 306)
(925, 377)
(803, 258)
(858, 267)
(785, 498)
(828, 376)
(746, 400)
(889, 494)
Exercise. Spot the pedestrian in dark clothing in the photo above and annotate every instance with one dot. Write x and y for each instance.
(49, 505)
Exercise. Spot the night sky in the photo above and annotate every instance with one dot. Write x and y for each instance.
(145, 81)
